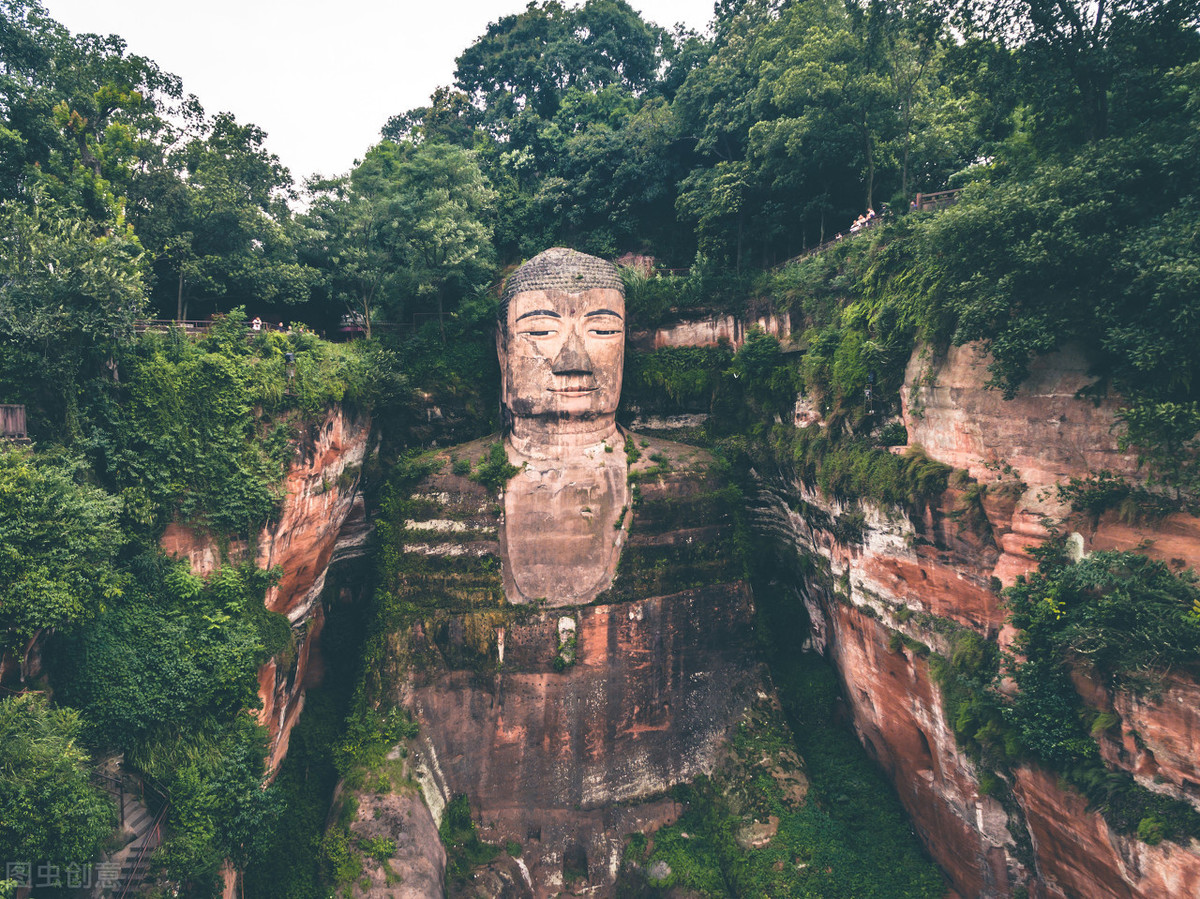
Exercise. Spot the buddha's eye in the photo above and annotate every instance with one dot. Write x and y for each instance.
(605, 333)
(538, 333)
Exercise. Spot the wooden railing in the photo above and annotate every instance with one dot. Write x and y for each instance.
(12, 422)
(939, 199)
(165, 324)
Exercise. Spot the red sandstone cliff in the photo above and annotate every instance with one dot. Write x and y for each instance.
(321, 519)
(1048, 842)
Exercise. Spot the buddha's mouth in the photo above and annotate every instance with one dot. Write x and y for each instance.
(573, 391)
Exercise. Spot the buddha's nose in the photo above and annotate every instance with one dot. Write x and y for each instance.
(572, 359)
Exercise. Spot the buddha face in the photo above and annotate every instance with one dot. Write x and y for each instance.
(563, 354)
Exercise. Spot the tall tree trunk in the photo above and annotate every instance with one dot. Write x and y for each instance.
(869, 147)
(179, 299)
(740, 232)
(907, 143)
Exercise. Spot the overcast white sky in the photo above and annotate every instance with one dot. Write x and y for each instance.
(320, 76)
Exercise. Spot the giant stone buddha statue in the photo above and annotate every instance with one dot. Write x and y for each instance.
(560, 337)
(582, 637)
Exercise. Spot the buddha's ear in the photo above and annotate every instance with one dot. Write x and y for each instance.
(502, 356)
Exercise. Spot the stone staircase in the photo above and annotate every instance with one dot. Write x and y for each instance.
(147, 835)
(123, 871)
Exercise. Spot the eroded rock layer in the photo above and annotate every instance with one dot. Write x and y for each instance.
(879, 606)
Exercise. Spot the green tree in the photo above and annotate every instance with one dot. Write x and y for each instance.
(82, 118)
(524, 62)
(1080, 57)
(449, 119)
(49, 811)
(175, 657)
(68, 301)
(219, 224)
(1095, 248)
(831, 87)
(432, 208)
(61, 284)
(58, 541)
(351, 246)
(612, 188)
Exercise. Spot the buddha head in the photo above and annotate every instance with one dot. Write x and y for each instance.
(561, 343)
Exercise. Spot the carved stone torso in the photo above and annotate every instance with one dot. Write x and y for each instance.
(564, 526)
(563, 724)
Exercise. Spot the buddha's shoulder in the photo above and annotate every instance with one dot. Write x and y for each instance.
(673, 467)
(457, 474)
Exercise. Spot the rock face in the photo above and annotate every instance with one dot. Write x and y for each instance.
(1025, 446)
(918, 577)
(398, 820)
(322, 519)
(563, 725)
(712, 331)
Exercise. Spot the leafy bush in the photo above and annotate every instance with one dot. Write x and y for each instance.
(1097, 493)
(1126, 615)
(1121, 616)
(675, 378)
(378, 848)
(49, 811)
(850, 469)
(651, 300)
(1167, 438)
(175, 655)
(58, 545)
(199, 430)
(464, 850)
(370, 733)
(893, 434)
(494, 470)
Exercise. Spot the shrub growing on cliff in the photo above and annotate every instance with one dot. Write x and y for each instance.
(494, 470)
(464, 850)
(171, 658)
(200, 430)
(1125, 616)
(1115, 615)
(674, 378)
(220, 809)
(58, 544)
(849, 469)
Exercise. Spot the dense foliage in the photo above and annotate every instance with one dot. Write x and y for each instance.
(200, 430)
(49, 810)
(146, 659)
(58, 543)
